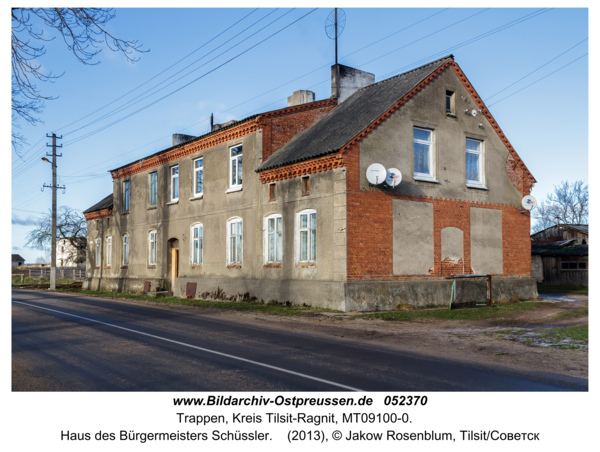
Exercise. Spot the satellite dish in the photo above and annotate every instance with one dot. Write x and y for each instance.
(529, 202)
(393, 177)
(376, 174)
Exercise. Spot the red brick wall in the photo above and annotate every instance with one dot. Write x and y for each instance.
(278, 130)
(370, 232)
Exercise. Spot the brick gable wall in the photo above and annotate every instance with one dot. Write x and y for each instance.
(278, 129)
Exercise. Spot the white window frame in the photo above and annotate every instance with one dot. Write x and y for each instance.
(150, 185)
(126, 195)
(152, 252)
(125, 250)
(235, 186)
(195, 171)
(239, 258)
(266, 241)
(172, 179)
(475, 183)
(108, 240)
(200, 240)
(298, 235)
(428, 177)
(98, 252)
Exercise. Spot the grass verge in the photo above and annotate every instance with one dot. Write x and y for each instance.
(571, 337)
(273, 309)
(16, 281)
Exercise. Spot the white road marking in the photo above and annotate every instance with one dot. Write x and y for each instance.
(197, 348)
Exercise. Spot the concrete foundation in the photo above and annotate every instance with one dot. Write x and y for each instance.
(342, 296)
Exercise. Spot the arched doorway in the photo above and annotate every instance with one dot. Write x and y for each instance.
(173, 260)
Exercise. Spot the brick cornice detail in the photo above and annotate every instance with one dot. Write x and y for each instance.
(233, 133)
(297, 108)
(465, 81)
(98, 214)
(303, 168)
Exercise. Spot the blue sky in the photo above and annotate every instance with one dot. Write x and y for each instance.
(546, 122)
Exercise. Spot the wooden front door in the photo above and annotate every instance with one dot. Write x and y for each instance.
(174, 266)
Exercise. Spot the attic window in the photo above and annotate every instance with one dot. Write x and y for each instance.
(272, 192)
(449, 102)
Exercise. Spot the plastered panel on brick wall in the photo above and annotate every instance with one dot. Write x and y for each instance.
(486, 241)
(452, 244)
(413, 237)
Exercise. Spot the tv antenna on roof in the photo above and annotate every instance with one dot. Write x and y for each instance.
(334, 26)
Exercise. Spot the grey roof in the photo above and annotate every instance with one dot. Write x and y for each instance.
(106, 203)
(562, 248)
(583, 228)
(349, 118)
(17, 258)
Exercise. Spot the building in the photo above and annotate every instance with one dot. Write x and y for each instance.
(559, 255)
(297, 222)
(67, 255)
(17, 260)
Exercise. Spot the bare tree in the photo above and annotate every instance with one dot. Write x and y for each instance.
(71, 225)
(568, 204)
(83, 32)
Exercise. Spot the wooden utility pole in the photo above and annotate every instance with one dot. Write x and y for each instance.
(54, 187)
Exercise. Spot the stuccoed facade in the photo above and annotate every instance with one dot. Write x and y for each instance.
(374, 246)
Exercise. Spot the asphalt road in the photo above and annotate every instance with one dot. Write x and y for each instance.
(66, 342)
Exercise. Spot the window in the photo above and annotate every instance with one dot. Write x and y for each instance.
(152, 248)
(422, 148)
(474, 162)
(175, 183)
(98, 255)
(573, 265)
(272, 192)
(198, 177)
(234, 242)
(449, 102)
(305, 185)
(126, 196)
(153, 185)
(108, 251)
(125, 250)
(235, 166)
(273, 238)
(196, 253)
(62, 249)
(307, 236)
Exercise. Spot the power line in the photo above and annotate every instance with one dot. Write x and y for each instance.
(469, 41)
(162, 72)
(189, 83)
(539, 80)
(535, 70)
(129, 103)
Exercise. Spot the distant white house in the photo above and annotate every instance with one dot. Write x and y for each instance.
(67, 255)
(17, 260)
